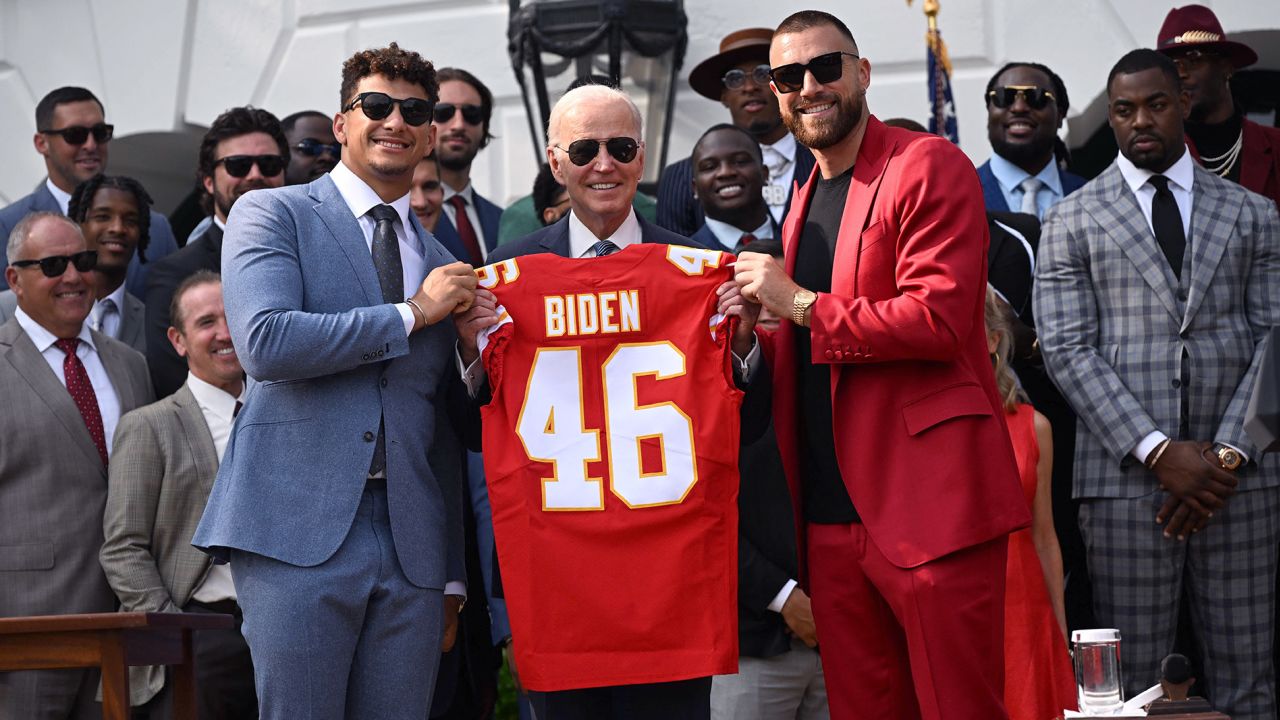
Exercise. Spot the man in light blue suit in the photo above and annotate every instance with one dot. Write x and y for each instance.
(73, 137)
(345, 547)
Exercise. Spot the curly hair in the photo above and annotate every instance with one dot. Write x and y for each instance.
(82, 202)
(1059, 88)
(393, 63)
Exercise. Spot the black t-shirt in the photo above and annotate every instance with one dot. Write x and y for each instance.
(825, 498)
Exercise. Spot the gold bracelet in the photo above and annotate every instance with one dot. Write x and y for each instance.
(1158, 452)
(413, 307)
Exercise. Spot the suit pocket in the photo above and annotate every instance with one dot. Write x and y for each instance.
(34, 556)
(872, 235)
(950, 402)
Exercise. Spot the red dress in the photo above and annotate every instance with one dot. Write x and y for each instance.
(1039, 681)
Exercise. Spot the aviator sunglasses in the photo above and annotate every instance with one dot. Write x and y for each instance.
(582, 152)
(1004, 97)
(79, 134)
(54, 265)
(826, 68)
(312, 147)
(472, 114)
(737, 78)
(239, 166)
(378, 105)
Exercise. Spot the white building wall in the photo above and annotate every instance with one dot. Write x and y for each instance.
(166, 66)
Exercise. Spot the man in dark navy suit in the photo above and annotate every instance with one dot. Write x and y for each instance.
(737, 77)
(1026, 104)
(462, 130)
(728, 174)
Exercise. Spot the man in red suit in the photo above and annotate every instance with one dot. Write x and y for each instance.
(885, 407)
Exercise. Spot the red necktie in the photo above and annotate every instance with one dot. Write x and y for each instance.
(82, 393)
(465, 230)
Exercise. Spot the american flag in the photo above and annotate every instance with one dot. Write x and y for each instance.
(942, 115)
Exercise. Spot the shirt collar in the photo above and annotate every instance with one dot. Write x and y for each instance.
(581, 239)
(1181, 173)
(212, 399)
(786, 147)
(466, 192)
(117, 297)
(729, 236)
(360, 198)
(221, 225)
(1010, 176)
(42, 338)
(63, 198)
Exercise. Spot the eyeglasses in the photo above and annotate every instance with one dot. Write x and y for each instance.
(1004, 97)
(826, 68)
(312, 147)
(54, 265)
(581, 152)
(239, 166)
(736, 78)
(1191, 59)
(472, 114)
(378, 105)
(79, 134)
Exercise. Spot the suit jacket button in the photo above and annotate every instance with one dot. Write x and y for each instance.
(839, 355)
(830, 355)
(368, 436)
(1177, 383)
(364, 357)
(383, 382)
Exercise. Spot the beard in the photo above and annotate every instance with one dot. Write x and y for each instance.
(1021, 154)
(223, 199)
(849, 111)
(459, 160)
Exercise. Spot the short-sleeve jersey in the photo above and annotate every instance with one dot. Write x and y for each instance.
(610, 449)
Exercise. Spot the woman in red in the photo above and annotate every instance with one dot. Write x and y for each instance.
(1039, 681)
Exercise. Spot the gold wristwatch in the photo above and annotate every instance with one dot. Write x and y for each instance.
(1228, 458)
(800, 303)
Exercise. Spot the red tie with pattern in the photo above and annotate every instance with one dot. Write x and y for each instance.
(82, 393)
(465, 230)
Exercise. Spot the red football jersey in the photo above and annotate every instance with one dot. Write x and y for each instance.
(611, 452)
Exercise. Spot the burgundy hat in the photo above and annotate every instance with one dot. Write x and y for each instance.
(736, 48)
(1195, 26)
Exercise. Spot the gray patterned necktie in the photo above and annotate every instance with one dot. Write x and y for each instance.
(1030, 188)
(386, 254)
(604, 247)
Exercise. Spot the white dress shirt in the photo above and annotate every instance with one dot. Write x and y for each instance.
(468, 194)
(581, 240)
(780, 158)
(63, 198)
(87, 351)
(108, 323)
(1181, 179)
(360, 199)
(219, 410)
(729, 236)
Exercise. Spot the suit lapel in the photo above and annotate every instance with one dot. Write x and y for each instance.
(1125, 224)
(346, 232)
(557, 240)
(131, 320)
(44, 201)
(201, 442)
(1213, 219)
(114, 362)
(1255, 157)
(868, 171)
(31, 365)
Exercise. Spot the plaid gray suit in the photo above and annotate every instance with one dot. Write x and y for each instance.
(1114, 322)
(161, 472)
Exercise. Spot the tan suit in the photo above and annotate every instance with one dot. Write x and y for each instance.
(53, 487)
(162, 469)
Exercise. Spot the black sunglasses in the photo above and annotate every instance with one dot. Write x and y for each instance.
(239, 165)
(826, 68)
(314, 148)
(581, 152)
(736, 78)
(79, 134)
(1004, 97)
(472, 114)
(378, 105)
(54, 265)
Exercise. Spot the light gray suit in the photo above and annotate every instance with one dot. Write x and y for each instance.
(330, 361)
(53, 487)
(132, 318)
(1114, 325)
(162, 469)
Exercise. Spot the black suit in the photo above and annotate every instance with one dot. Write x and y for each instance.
(168, 370)
(680, 212)
(683, 700)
